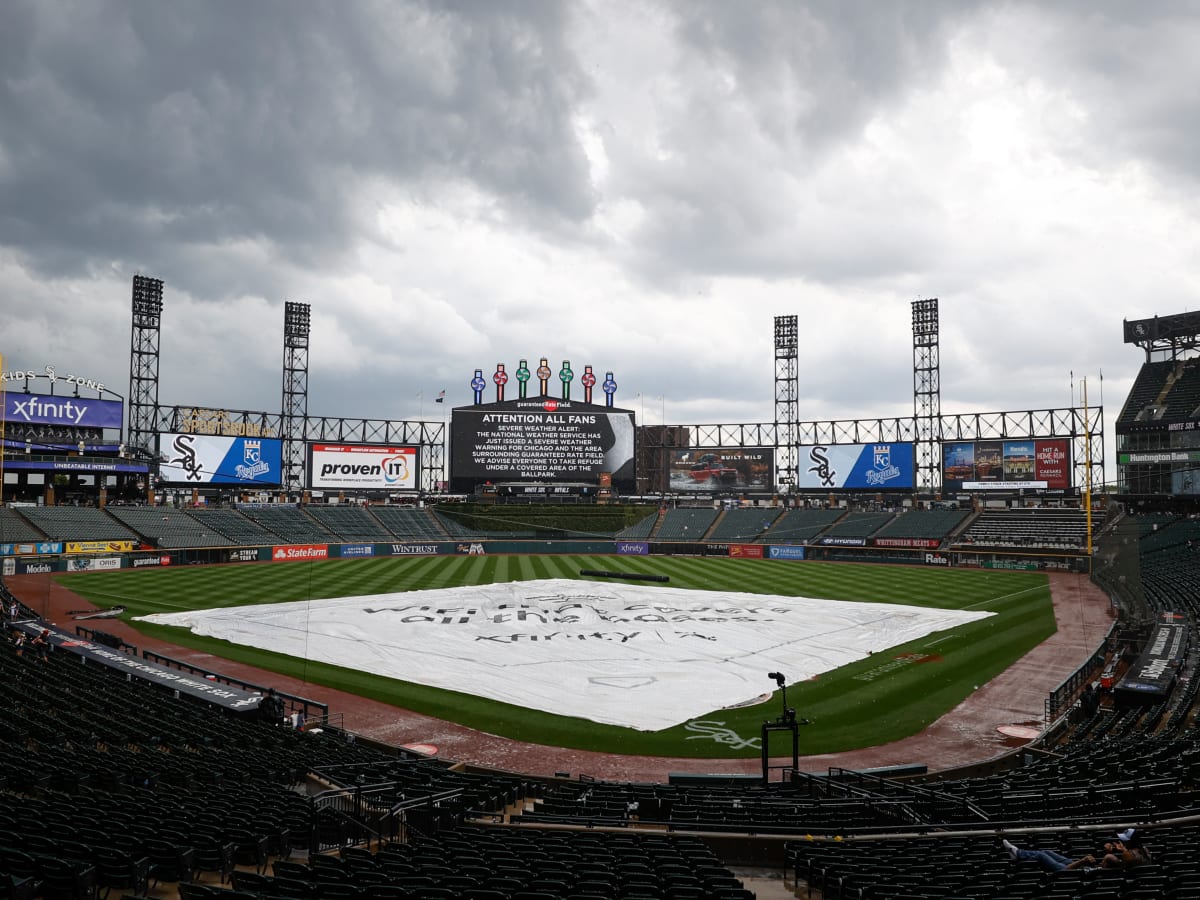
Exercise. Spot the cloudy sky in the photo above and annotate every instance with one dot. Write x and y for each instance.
(638, 185)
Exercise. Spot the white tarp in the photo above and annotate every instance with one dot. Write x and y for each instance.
(634, 655)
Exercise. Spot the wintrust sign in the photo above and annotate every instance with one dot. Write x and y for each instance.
(296, 552)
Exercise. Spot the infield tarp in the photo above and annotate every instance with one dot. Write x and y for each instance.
(632, 655)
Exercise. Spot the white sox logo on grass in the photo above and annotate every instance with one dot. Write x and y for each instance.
(296, 552)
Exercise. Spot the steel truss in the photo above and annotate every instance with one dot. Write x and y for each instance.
(145, 334)
(1069, 423)
(430, 437)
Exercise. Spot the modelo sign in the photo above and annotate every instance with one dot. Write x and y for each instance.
(362, 467)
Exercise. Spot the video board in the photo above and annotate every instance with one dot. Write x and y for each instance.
(362, 467)
(838, 467)
(217, 459)
(997, 465)
(540, 439)
(722, 469)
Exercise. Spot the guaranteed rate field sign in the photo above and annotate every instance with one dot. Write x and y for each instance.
(633, 656)
(362, 467)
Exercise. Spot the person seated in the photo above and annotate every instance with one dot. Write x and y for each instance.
(1124, 851)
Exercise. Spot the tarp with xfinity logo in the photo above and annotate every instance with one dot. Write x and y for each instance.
(876, 467)
(362, 467)
(612, 653)
(217, 459)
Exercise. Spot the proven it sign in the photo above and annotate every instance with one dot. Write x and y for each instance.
(362, 467)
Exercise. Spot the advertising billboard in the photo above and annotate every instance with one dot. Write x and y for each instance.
(215, 459)
(47, 409)
(722, 469)
(540, 439)
(1029, 464)
(362, 467)
(837, 467)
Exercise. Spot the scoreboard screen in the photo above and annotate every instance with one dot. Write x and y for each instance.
(540, 439)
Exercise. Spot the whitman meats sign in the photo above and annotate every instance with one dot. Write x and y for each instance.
(362, 467)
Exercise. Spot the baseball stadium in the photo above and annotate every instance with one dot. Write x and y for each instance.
(533, 649)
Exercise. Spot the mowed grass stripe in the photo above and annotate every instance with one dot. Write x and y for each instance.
(886, 696)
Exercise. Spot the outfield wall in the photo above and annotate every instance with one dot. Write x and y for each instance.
(48, 558)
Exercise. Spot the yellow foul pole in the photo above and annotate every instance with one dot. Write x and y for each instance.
(1087, 490)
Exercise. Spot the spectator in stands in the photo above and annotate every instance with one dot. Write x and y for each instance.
(1117, 855)
(1089, 701)
(19, 640)
(270, 709)
(41, 644)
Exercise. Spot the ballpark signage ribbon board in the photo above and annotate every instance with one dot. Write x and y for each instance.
(617, 654)
(219, 459)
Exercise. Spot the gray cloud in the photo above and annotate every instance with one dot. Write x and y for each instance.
(158, 133)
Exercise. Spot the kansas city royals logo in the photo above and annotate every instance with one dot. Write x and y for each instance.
(883, 470)
(254, 464)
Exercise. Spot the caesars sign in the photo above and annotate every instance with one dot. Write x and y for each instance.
(541, 439)
(211, 459)
(362, 467)
(1034, 464)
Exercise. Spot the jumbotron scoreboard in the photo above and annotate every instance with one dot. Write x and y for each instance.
(541, 439)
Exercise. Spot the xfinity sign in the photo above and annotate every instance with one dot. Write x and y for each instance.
(47, 409)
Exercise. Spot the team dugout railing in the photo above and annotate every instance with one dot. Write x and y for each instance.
(313, 710)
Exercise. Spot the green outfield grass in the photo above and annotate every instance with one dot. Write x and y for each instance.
(885, 697)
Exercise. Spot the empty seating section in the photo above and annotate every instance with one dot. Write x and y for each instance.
(641, 530)
(978, 867)
(742, 524)
(235, 526)
(15, 528)
(1170, 567)
(1150, 381)
(685, 524)
(1183, 398)
(1043, 528)
(76, 523)
(456, 530)
(164, 526)
(799, 525)
(409, 523)
(349, 523)
(289, 522)
(858, 524)
(931, 524)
